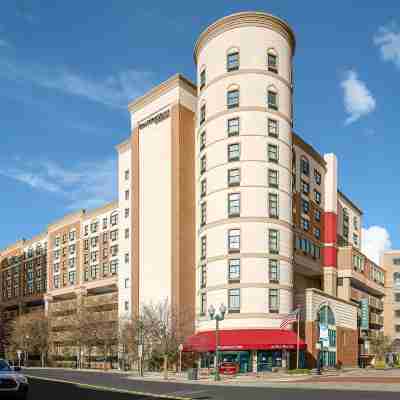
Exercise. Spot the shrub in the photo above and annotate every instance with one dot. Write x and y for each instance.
(380, 364)
(300, 371)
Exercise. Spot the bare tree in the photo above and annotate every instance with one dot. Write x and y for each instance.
(381, 345)
(165, 329)
(40, 335)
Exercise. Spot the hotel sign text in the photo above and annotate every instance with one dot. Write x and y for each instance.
(155, 120)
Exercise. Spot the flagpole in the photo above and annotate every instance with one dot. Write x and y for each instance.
(298, 338)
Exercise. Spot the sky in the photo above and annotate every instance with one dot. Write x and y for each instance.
(69, 69)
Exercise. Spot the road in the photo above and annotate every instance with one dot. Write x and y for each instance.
(46, 390)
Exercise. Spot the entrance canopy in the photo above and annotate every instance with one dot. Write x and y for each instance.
(244, 339)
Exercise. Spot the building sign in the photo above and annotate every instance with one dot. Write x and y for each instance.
(155, 120)
(364, 314)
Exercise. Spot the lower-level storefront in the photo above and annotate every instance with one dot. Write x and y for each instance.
(252, 350)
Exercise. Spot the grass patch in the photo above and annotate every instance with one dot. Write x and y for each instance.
(300, 371)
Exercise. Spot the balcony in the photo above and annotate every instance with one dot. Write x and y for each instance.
(376, 319)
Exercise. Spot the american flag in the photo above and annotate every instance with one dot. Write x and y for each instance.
(290, 318)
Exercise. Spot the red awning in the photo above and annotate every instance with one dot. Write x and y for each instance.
(250, 339)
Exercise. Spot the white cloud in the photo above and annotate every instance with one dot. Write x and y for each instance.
(115, 90)
(84, 185)
(375, 240)
(358, 100)
(388, 41)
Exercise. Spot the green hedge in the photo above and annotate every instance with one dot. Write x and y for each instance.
(300, 371)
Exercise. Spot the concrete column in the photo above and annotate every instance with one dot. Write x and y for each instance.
(253, 356)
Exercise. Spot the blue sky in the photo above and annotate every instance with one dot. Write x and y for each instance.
(69, 69)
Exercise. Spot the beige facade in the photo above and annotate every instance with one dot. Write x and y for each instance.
(391, 263)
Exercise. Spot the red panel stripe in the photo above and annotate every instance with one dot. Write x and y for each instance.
(330, 227)
(329, 256)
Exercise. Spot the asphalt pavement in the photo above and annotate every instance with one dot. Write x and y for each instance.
(95, 386)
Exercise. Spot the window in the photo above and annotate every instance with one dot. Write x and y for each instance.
(93, 255)
(203, 164)
(93, 227)
(305, 187)
(114, 250)
(64, 238)
(72, 249)
(202, 114)
(105, 252)
(72, 236)
(56, 268)
(273, 128)
(126, 305)
(304, 166)
(305, 224)
(126, 174)
(273, 178)
(396, 261)
(126, 197)
(273, 241)
(114, 267)
(232, 61)
(57, 281)
(105, 237)
(273, 153)
(71, 277)
(232, 98)
(126, 212)
(57, 241)
(317, 215)
(71, 262)
(126, 233)
(126, 258)
(273, 300)
(114, 235)
(355, 239)
(203, 140)
(86, 230)
(234, 300)
(234, 152)
(233, 126)
(272, 61)
(234, 204)
(114, 219)
(86, 259)
(317, 177)
(317, 233)
(317, 196)
(105, 220)
(126, 283)
(86, 244)
(397, 297)
(305, 206)
(234, 177)
(272, 99)
(203, 213)
(93, 241)
(203, 186)
(273, 271)
(397, 313)
(203, 276)
(105, 268)
(234, 270)
(273, 205)
(202, 78)
(234, 240)
(203, 247)
(94, 271)
(203, 304)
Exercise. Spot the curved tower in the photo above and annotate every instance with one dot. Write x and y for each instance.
(243, 153)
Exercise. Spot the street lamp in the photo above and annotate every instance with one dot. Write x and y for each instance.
(217, 317)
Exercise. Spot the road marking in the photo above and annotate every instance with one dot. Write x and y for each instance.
(109, 389)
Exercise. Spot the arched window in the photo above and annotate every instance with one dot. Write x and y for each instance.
(272, 98)
(304, 166)
(202, 113)
(272, 60)
(232, 96)
(326, 316)
(232, 59)
(202, 77)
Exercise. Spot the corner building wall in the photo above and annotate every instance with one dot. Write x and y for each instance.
(252, 35)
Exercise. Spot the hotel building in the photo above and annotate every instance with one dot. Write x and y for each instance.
(391, 263)
(220, 201)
